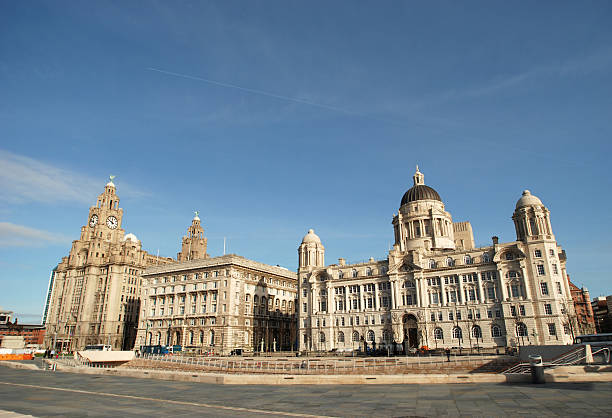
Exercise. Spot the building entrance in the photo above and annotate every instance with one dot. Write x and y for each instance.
(411, 339)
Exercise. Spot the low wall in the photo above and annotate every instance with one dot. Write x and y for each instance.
(548, 352)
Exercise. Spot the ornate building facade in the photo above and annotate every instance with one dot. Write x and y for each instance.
(93, 295)
(218, 304)
(585, 319)
(435, 288)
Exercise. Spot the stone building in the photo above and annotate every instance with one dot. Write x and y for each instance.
(435, 288)
(584, 319)
(217, 304)
(93, 295)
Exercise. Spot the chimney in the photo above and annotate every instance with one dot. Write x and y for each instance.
(495, 240)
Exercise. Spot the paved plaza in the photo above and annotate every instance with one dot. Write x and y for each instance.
(45, 393)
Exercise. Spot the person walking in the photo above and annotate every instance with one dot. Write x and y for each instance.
(447, 351)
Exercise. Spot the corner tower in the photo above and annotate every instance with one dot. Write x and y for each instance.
(194, 243)
(422, 221)
(531, 219)
(311, 252)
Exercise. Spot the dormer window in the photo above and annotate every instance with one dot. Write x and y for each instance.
(432, 264)
(509, 256)
(486, 258)
(450, 262)
(467, 259)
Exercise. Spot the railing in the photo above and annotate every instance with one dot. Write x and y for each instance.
(570, 358)
(348, 365)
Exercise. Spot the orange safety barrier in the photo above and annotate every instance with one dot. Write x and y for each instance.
(16, 357)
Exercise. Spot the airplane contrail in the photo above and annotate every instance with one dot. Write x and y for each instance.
(249, 90)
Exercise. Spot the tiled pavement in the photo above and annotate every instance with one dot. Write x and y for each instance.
(44, 393)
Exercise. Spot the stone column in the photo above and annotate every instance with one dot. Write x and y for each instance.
(502, 286)
(460, 296)
(444, 301)
(481, 296)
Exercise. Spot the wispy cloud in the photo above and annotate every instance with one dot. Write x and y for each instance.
(23, 179)
(578, 66)
(13, 235)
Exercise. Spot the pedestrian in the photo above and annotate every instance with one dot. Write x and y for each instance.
(447, 351)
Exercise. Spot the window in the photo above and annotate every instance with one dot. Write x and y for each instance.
(340, 337)
(552, 253)
(433, 316)
(457, 334)
(304, 307)
(555, 269)
(369, 271)
(450, 262)
(514, 288)
(522, 310)
(468, 260)
(486, 258)
(438, 334)
(322, 337)
(552, 330)
(547, 309)
(354, 273)
(496, 331)
(497, 313)
(513, 310)
(458, 315)
(476, 332)
(489, 314)
(559, 291)
(541, 271)
(370, 335)
(450, 316)
(509, 256)
(355, 336)
(432, 264)
(544, 288)
(521, 330)
(538, 253)
(491, 292)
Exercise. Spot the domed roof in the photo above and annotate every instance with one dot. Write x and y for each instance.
(528, 200)
(131, 237)
(419, 191)
(311, 237)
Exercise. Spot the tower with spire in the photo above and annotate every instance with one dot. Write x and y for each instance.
(194, 243)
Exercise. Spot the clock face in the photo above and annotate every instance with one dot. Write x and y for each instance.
(93, 221)
(111, 222)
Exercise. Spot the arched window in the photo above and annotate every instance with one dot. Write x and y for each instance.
(354, 273)
(355, 336)
(211, 337)
(450, 262)
(190, 337)
(432, 264)
(340, 274)
(486, 258)
(467, 259)
(322, 337)
(521, 330)
(386, 336)
(370, 335)
(158, 338)
(476, 332)
(409, 284)
(496, 331)
(340, 337)
(457, 334)
(509, 256)
(256, 300)
(369, 271)
(201, 337)
(438, 334)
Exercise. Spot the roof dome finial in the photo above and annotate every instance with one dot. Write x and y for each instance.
(418, 177)
(196, 217)
(110, 181)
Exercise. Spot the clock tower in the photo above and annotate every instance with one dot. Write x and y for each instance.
(95, 298)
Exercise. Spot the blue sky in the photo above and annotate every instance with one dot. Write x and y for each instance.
(271, 118)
